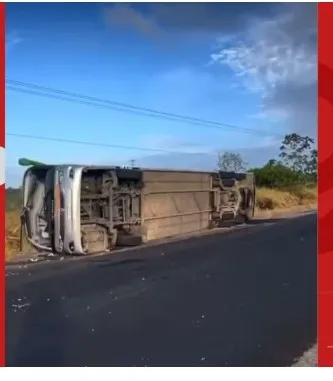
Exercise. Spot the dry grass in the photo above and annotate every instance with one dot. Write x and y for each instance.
(296, 198)
(269, 203)
(13, 236)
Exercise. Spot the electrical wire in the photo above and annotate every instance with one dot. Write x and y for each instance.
(48, 92)
(97, 144)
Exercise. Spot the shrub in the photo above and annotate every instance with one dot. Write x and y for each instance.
(277, 175)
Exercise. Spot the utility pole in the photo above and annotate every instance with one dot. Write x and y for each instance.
(132, 163)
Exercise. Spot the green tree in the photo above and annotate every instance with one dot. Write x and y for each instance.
(299, 154)
(275, 175)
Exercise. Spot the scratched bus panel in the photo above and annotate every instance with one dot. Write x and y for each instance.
(175, 203)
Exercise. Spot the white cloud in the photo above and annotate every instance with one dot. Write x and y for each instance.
(12, 39)
(277, 57)
(271, 48)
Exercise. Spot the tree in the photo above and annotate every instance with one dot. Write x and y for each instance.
(231, 162)
(298, 153)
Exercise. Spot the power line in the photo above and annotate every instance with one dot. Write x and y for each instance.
(137, 112)
(78, 101)
(104, 106)
(48, 92)
(97, 144)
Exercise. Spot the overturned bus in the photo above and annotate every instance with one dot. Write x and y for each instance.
(77, 209)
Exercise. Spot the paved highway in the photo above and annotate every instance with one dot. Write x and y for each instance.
(241, 297)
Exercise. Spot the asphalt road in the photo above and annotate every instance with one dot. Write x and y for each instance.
(245, 297)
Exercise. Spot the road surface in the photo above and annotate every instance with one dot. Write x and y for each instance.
(241, 297)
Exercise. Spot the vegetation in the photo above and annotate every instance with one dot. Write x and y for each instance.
(289, 182)
(296, 166)
(13, 224)
(232, 162)
(13, 199)
(295, 199)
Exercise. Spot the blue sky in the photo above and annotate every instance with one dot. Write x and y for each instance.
(178, 58)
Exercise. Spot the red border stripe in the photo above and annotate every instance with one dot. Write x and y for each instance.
(2, 187)
(325, 186)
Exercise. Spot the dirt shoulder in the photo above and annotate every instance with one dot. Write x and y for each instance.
(284, 212)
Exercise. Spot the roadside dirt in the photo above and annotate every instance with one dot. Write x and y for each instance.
(280, 213)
